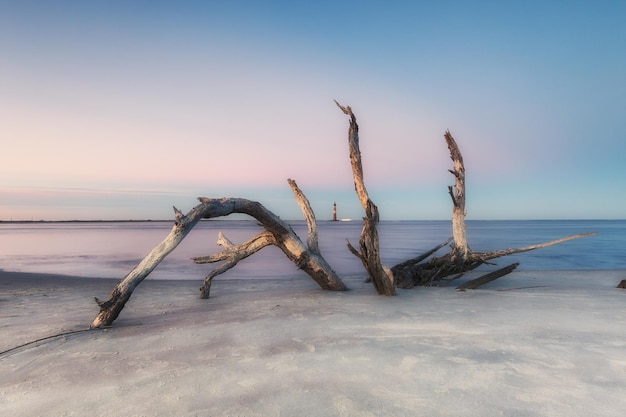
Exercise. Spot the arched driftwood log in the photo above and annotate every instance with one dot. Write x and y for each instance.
(368, 252)
(285, 238)
(232, 254)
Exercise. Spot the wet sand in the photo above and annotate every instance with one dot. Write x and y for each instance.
(531, 344)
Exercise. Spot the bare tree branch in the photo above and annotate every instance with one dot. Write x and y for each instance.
(485, 256)
(309, 216)
(232, 254)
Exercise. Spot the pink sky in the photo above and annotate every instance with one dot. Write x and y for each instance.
(112, 111)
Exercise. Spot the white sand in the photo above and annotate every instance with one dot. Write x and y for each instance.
(286, 348)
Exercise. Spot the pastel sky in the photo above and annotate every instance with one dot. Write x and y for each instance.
(122, 109)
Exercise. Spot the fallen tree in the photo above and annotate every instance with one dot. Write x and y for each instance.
(277, 233)
(460, 259)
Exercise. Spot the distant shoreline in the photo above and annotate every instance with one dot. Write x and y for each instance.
(82, 221)
(111, 221)
(291, 220)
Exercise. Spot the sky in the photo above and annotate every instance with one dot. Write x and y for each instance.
(123, 109)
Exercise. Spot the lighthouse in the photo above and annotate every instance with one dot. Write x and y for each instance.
(334, 212)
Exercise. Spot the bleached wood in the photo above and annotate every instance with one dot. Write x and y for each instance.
(111, 308)
(223, 240)
(369, 252)
(485, 256)
(232, 254)
(460, 259)
(309, 216)
(460, 250)
(287, 240)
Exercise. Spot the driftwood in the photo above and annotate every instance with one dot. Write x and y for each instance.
(233, 254)
(461, 258)
(285, 238)
(410, 274)
(460, 251)
(487, 278)
(416, 271)
(111, 308)
(368, 252)
(415, 262)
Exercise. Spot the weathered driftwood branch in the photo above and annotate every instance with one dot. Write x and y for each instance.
(492, 276)
(486, 256)
(368, 253)
(111, 308)
(312, 241)
(287, 240)
(232, 255)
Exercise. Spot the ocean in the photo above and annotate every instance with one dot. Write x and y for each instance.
(112, 249)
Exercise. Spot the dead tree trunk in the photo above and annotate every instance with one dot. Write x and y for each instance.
(460, 250)
(460, 259)
(287, 240)
(368, 253)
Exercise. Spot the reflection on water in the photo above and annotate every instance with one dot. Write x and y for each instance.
(111, 249)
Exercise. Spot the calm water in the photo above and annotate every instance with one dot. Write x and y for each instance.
(110, 250)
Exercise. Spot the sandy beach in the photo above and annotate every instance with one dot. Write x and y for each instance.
(531, 344)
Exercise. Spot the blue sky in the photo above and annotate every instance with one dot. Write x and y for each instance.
(120, 110)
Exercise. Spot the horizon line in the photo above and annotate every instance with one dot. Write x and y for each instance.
(222, 218)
